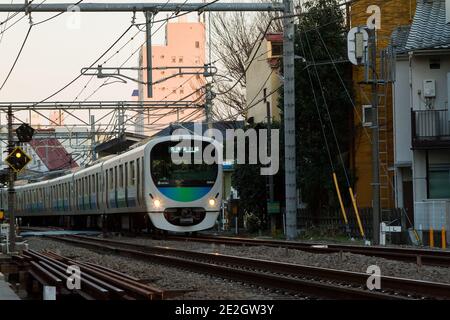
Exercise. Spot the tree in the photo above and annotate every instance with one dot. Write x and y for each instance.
(322, 24)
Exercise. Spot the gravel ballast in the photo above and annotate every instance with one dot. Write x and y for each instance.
(342, 261)
(204, 287)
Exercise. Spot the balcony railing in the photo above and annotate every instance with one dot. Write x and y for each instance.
(430, 129)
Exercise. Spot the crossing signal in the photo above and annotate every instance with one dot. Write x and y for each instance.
(25, 132)
(18, 159)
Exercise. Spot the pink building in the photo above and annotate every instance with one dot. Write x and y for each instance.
(184, 46)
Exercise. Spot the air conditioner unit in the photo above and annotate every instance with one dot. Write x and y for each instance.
(367, 116)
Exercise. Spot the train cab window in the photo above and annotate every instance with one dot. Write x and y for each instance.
(120, 176)
(132, 174)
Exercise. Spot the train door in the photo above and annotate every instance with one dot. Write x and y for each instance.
(97, 189)
(138, 181)
(126, 183)
(142, 187)
(115, 187)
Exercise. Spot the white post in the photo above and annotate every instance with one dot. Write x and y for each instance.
(49, 293)
(382, 233)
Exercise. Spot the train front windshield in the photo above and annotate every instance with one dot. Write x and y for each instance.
(165, 173)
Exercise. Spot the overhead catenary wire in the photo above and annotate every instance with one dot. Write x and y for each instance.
(17, 57)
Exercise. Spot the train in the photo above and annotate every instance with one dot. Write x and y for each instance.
(178, 197)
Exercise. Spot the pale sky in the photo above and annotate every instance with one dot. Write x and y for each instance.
(55, 53)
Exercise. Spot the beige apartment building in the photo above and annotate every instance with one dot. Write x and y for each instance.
(263, 79)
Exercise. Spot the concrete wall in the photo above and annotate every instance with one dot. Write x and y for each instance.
(422, 71)
(402, 115)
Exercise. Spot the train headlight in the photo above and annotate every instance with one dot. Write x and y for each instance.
(157, 203)
(212, 202)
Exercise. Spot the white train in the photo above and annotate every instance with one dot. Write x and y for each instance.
(180, 198)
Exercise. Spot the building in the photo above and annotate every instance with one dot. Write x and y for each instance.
(393, 14)
(184, 47)
(263, 79)
(422, 116)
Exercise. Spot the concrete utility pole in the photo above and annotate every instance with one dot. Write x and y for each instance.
(289, 120)
(11, 180)
(273, 218)
(208, 103)
(375, 140)
(148, 34)
(92, 119)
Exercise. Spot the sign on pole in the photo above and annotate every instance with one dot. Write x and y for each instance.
(357, 44)
(18, 159)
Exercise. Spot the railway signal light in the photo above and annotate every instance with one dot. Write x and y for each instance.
(18, 159)
(25, 132)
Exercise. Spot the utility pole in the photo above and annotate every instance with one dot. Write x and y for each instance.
(92, 118)
(375, 140)
(11, 180)
(273, 218)
(289, 120)
(148, 20)
(208, 103)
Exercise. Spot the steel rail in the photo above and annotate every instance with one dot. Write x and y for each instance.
(97, 282)
(214, 264)
(425, 256)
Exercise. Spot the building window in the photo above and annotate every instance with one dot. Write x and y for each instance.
(197, 44)
(277, 49)
(181, 91)
(435, 63)
(180, 59)
(439, 182)
(174, 59)
(162, 56)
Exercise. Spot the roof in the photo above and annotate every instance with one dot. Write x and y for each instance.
(399, 38)
(222, 126)
(274, 37)
(429, 30)
(53, 154)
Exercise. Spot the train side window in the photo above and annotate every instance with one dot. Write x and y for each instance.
(96, 183)
(138, 170)
(126, 175)
(111, 179)
(132, 174)
(115, 178)
(120, 176)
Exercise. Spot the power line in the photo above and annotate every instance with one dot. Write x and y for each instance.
(17, 57)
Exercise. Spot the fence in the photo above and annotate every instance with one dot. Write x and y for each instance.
(334, 222)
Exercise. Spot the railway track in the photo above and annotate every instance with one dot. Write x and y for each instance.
(419, 256)
(286, 278)
(96, 282)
